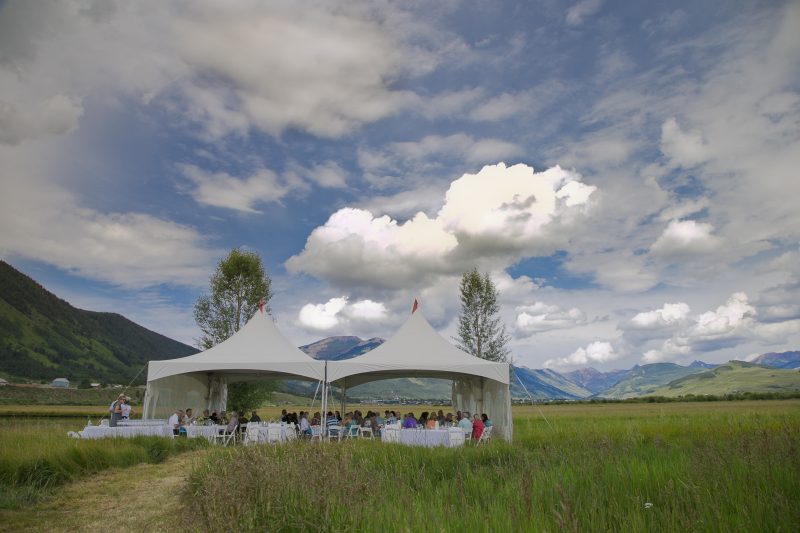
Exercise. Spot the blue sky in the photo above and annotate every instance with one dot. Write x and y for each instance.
(627, 172)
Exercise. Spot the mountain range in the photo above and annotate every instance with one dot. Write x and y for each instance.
(43, 337)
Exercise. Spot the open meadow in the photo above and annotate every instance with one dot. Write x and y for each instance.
(718, 466)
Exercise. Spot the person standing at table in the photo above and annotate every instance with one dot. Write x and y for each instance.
(116, 410)
(126, 409)
(477, 427)
(174, 422)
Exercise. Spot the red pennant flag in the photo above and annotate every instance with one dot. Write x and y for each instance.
(261, 305)
(414, 308)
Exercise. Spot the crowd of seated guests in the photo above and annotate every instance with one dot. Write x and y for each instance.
(237, 422)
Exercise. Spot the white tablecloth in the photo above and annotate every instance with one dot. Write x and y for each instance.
(428, 438)
(139, 422)
(204, 432)
(102, 432)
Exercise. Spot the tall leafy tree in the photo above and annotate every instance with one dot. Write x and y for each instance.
(237, 286)
(480, 331)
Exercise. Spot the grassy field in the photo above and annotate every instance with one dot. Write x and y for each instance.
(639, 467)
(37, 457)
(721, 466)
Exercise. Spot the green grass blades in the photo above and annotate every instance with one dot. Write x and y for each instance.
(37, 457)
(673, 467)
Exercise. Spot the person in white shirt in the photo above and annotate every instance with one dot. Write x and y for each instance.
(175, 421)
(305, 429)
(465, 423)
(126, 409)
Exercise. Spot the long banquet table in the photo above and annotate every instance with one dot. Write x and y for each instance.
(102, 432)
(428, 438)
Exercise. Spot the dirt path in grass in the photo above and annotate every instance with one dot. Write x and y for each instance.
(139, 498)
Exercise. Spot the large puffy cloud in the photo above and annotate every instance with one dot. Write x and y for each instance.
(338, 313)
(539, 317)
(497, 215)
(595, 352)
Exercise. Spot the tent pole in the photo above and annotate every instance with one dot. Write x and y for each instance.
(344, 396)
(323, 419)
(314, 399)
(529, 395)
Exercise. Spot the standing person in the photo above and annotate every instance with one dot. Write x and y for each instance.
(126, 409)
(174, 422)
(116, 410)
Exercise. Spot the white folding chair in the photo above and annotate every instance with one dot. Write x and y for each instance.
(251, 434)
(365, 432)
(274, 433)
(291, 432)
(391, 433)
(486, 435)
(316, 433)
(334, 432)
(351, 433)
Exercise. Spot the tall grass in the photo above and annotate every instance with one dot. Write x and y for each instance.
(673, 469)
(37, 457)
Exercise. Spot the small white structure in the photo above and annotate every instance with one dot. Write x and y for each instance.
(257, 351)
(61, 383)
(3, 382)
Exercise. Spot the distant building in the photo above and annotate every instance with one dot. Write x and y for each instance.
(94, 385)
(60, 383)
(3, 382)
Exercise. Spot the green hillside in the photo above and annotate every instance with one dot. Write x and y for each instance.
(644, 380)
(733, 377)
(43, 337)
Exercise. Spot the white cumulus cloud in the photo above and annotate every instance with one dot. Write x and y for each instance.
(338, 312)
(539, 317)
(686, 237)
(669, 315)
(499, 214)
(595, 352)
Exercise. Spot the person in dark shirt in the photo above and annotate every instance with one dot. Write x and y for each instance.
(254, 417)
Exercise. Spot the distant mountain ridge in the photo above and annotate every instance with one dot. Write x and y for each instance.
(593, 380)
(44, 337)
(779, 360)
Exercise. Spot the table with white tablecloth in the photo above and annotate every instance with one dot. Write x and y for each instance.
(428, 438)
(102, 432)
(204, 432)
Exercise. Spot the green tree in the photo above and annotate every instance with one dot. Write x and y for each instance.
(237, 286)
(480, 332)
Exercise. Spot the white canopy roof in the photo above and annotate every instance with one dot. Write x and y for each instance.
(257, 348)
(416, 350)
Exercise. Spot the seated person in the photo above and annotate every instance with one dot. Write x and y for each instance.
(205, 418)
(465, 424)
(284, 416)
(254, 417)
(305, 427)
(317, 419)
(232, 425)
(487, 422)
(188, 418)
(409, 422)
(389, 417)
(330, 421)
(477, 427)
(430, 423)
(214, 417)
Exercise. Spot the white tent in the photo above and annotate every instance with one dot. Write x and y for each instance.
(417, 350)
(257, 351)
